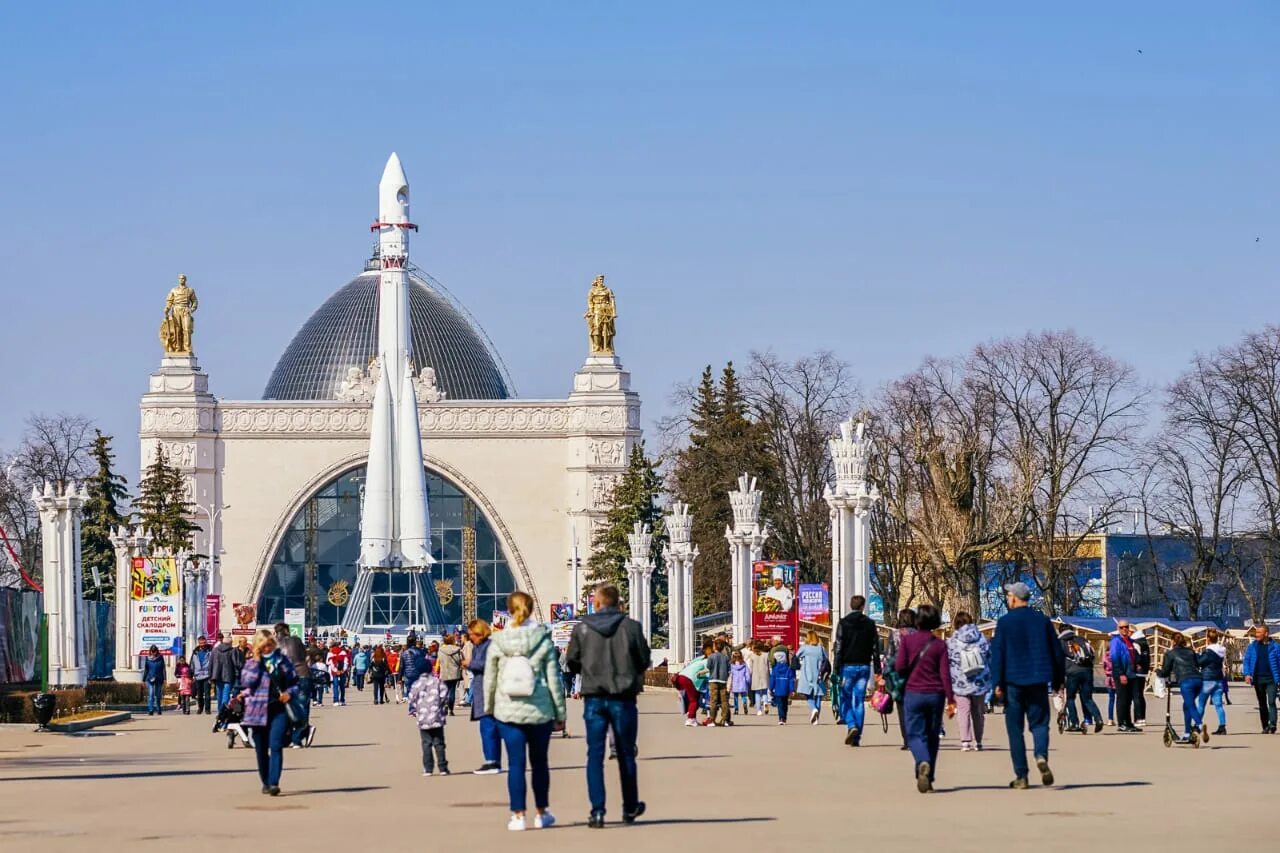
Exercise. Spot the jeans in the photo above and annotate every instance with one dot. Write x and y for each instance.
(1191, 716)
(1266, 694)
(1139, 685)
(744, 699)
(451, 691)
(1029, 705)
(339, 689)
(970, 718)
(602, 715)
(224, 694)
(155, 692)
(268, 744)
(1081, 683)
(358, 677)
(853, 694)
(379, 691)
(1111, 704)
(202, 695)
(301, 728)
(922, 717)
(433, 740)
(1212, 690)
(782, 703)
(761, 699)
(490, 741)
(815, 701)
(534, 739)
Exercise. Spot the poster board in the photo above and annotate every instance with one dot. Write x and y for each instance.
(774, 610)
(296, 619)
(155, 605)
(814, 603)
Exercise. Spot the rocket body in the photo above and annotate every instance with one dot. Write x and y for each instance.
(394, 521)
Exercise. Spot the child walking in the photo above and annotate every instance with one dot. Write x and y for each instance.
(182, 672)
(740, 683)
(429, 703)
(782, 683)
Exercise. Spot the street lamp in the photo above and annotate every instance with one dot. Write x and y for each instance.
(198, 584)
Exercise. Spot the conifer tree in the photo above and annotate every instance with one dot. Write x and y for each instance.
(163, 508)
(101, 517)
(634, 499)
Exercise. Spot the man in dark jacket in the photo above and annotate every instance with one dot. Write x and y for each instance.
(857, 656)
(413, 665)
(200, 675)
(1025, 657)
(610, 652)
(222, 672)
(292, 648)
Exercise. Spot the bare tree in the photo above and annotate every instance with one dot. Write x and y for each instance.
(1069, 414)
(801, 403)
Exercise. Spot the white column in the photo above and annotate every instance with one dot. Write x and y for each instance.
(128, 544)
(63, 600)
(639, 573)
(851, 501)
(687, 625)
(746, 538)
(679, 556)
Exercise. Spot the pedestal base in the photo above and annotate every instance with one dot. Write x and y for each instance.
(127, 676)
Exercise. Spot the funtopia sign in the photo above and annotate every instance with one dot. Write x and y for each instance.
(155, 605)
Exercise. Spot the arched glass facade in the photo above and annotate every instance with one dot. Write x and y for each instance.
(317, 556)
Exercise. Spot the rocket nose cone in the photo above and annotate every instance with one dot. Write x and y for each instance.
(393, 173)
(393, 192)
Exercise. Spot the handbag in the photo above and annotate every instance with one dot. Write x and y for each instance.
(881, 701)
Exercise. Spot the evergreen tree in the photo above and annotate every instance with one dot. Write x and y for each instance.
(723, 443)
(163, 508)
(101, 518)
(634, 499)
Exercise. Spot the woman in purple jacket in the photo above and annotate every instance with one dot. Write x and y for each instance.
(266, 684)
(923, 658)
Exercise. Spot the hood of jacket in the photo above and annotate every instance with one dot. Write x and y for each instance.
(605, 622)
(968, 634)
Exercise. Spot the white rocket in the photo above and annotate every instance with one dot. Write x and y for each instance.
(395, 531)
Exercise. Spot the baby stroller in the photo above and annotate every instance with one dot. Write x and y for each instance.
(231, 720)
(1161, 687)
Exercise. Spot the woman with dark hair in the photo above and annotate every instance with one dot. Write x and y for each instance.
(906, 626)
(969, 656)
(378, 672)
(1182, 664)
(922, 659)
(153, 675)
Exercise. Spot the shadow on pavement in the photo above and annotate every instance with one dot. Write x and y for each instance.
(147, 774)
(1072, 787)
(339, 745)
(357, 790)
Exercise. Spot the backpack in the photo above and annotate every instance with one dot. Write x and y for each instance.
(517, 678)
(971, 661)
(1081, 653)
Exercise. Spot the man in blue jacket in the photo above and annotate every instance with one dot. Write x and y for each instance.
(1124, 669)
(1262, 670)
(1026, 659)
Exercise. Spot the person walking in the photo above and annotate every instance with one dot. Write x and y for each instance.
(481, 711)
(739, 684)
(718, 684)
(1025, 657)
(1141, 667)
(413, 664)
(338, 663)
(969, 659)
(201, 668)
(378, 673)
(1078, 656)
(609, 651)
(927, 692)
(153, 675)
(904, 627)
(782, 683)
(360, 660)
(1262, 670)
(814, 669)
(266, 683)
(182, 672)
(1213, 675)
(857, 657)
(428, 704)
(449, 663)
(1110, 681)
(222, 672)
(1181, 665)
(757, 658)
(302, 732)
(522, 686)
(1123, 655)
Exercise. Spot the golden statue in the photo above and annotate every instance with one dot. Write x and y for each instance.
(600, 317)
(179, 319)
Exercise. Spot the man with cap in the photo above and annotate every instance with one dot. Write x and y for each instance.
(1026, 659)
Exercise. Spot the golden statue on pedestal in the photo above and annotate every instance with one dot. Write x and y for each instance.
(600, 317)
(179, 322)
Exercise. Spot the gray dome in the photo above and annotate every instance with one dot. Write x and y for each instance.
(343, 333)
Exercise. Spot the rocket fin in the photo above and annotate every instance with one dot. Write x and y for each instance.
(376, 537)
(415, 523)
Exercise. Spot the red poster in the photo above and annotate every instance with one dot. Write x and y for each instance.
(774, 612)
(212, 616)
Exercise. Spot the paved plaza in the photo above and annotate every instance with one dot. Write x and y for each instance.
(167, 783)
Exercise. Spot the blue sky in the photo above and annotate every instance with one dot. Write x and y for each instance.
(883, 180)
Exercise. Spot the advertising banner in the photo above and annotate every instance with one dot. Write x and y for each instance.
(774, 615)
(500, 620)
(561, 632)
(155, 603)
(212, 616)
(246, 619)
(815, 603)
(296, 619)
(561, 612)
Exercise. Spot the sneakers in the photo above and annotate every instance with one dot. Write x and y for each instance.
(273, 791)
(688, 722)
(630, 817)
(813, 718)
(759, 712)
(295, 746)
(1020, 784)
(923, 785)
(516, 824)
(546, 820)
(1046, 775)
(1220, 730)
(1140, 723)
(443, 773)
(965, 746)
(851, 739)
(489, 768)
(596, 820)
(1097, 726)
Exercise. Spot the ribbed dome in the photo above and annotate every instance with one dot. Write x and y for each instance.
(343, 333)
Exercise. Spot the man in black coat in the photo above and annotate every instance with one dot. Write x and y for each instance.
(610, 652)
(857, 658)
